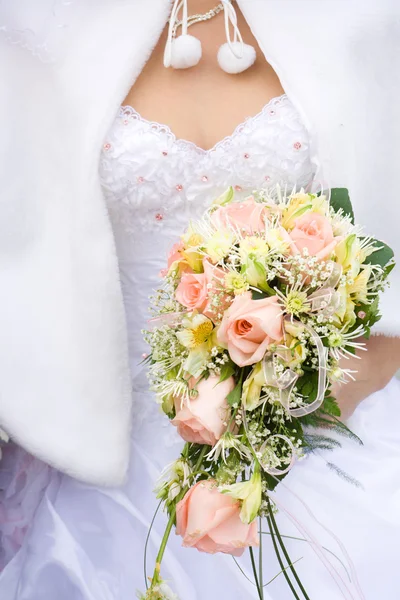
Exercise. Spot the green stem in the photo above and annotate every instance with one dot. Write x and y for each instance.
(282, 566)
(291, 537)
(260, 565)
(253, 564)
(171, 522)
(164, 542)
(185, 451)
(233, 417)
(280, 573)
(196, 473)
(285, 552)
(147, 542)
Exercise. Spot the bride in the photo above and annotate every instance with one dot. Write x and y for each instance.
(105, 156)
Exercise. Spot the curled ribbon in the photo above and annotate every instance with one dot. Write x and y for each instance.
(326, 298)
(170, 319)
(259, 451)
(273, 470)
(287, 380)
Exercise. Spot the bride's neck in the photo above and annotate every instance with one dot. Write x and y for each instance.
(201, 6)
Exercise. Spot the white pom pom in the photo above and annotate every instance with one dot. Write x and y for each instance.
(185, 52)
(230, 63)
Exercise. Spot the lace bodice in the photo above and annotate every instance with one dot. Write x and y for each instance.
(148, 174)
(155, 183)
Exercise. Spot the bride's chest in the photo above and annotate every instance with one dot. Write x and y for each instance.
(153, 180)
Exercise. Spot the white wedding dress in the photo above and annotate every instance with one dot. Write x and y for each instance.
(65, 540)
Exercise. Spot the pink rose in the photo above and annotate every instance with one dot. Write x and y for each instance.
(196, 290)
(192, 291)
(248, 328)
(203, 419)
(314, 232)
(210, 521)
(247, 216)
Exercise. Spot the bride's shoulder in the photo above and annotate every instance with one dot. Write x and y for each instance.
(41, 27)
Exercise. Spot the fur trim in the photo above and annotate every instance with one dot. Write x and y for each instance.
(65, 391)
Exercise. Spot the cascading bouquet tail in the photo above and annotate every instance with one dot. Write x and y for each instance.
(261, 303)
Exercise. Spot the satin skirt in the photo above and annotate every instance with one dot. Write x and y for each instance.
(64, 540)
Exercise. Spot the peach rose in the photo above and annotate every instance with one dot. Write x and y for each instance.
(202, 419)
(195, 290)
(192, 291)
(210, 521)
(314, 232)
(248, 328)
(246, 216)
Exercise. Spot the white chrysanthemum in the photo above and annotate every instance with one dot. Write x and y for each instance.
(236, 283)
(173, 479)
(228, 441)
(339, 341)
(218, 245)
(253, 246)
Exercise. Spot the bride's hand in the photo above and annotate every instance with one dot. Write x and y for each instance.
(375, 368)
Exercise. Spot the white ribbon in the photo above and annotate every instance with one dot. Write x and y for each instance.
(327, 294)
(231, 19)
(287, 380)
(273, 470)
(325, 298)
(344, 589)
(178, 5)
(170, 319)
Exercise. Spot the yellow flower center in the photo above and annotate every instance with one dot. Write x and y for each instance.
(254, 245)
(236, 282)
(296, 302)
(335, 340)
(202, 332)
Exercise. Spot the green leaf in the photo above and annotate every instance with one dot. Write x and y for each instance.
(300, 211)
(227, 371)
(381, 256)
(389, 269)
(307, 385)
(367, 332)
(257, 295)
(235, 396)
(225, 198)
(340, 199)
(330, 406)
(372, 315)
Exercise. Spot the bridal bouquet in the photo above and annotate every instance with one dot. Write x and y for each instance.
(261, 301)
